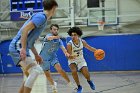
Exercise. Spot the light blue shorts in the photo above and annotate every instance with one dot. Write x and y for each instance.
(47, 62)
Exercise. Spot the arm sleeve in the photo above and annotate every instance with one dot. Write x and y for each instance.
(38, 20)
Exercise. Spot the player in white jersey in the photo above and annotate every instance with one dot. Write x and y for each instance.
(76, 60)
(24, 41)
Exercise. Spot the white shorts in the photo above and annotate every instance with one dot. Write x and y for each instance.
(80, 62)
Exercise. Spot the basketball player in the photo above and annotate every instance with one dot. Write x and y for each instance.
(51, 44)
(76, 60)
(24, 41)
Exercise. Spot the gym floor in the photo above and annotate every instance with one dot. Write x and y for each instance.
(106, 82)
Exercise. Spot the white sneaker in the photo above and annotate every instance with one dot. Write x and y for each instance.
(72, 85)
(54, 87)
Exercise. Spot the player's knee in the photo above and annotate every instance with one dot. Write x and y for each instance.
(33, 74)
(74, 70)
(31, 79)
(73, 67)
(36, 69)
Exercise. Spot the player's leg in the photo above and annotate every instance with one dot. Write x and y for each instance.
(73, 68)
(85, 72)
(21, 90)
(46, 67)
(16, 58)
(61, 72)
(59, 69)
(22, 87)
(50, 79)
(34, 70)
(64, 75)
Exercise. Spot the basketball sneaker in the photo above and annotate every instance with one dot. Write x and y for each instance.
(80, 89)
(54, 87)
(92, 86)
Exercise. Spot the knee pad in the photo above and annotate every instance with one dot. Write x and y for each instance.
(33, 74)
(36, 69)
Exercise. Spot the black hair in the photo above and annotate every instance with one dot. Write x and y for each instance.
(56, 25)
(49, 4)
(76, 30)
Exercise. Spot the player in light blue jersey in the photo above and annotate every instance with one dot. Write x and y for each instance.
(51, 44)
(24, 41)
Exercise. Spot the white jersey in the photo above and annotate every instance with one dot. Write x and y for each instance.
(77, 50)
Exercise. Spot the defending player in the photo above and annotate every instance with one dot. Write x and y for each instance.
(51, 44)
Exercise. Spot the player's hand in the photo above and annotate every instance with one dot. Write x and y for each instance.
(67, 54)
(58, 37)
(38, 59)
(23, 54)
(72, 57)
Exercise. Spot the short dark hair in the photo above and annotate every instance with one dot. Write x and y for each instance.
(49, 4)
(56, 25)
(76, 30)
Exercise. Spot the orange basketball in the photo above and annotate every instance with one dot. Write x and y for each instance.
(99, 54)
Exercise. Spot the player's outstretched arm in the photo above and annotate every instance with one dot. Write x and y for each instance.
(65, 51)
(53, 37)
(86, 45)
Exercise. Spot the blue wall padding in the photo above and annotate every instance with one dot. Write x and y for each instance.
(7, 62)
(122, 54)
(0, 65)
(4, 47)
(9, 66)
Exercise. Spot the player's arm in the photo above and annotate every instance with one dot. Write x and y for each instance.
(69, 50)
(65, 51)
(37, 56)
(63, 48)
(35, 22)
(29, 27)
(88, 46)
(52, 37)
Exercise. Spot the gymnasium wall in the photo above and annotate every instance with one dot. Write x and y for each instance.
(127, 13)
(122, 54)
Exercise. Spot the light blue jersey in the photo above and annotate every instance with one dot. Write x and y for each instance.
(40, 22)
(48, 52)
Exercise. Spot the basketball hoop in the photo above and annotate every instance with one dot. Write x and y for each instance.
(101, 25)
